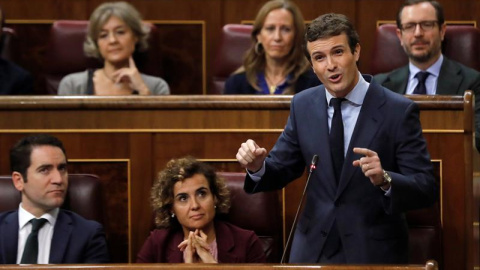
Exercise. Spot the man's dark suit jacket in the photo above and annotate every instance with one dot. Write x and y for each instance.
(14, 80)
(234, 245)
(454, 79)
(372, 226)
(75, 239)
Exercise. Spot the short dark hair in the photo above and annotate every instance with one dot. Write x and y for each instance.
(435, 4)
(329, 25)
(21, 151)
(177, 170)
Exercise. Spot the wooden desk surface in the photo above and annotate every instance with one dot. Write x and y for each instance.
(430, 265)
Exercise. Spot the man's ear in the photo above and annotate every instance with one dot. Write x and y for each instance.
(399, 35)
(356, 52)
(18, 180)
(443, 29)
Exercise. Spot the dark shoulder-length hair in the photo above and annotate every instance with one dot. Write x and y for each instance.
(177, 170)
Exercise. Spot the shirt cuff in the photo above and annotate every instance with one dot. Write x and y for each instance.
(257, 175)
(388, 192)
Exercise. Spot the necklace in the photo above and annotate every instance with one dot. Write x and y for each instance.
(108, 77)
(272, 85)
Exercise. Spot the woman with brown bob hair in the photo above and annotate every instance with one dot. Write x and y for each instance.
(186, 197)
(275, 64)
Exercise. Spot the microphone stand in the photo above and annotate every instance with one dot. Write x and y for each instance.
(312, 168)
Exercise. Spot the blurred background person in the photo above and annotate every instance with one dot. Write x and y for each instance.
(14, 80)
(275, 64)
(115, 31)
(421, 29)
(186, 198)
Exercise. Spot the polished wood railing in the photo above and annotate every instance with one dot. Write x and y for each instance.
(430, 265)
(127, 140)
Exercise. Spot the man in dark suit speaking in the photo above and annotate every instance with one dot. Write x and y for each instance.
(39, 231)
(421, 29)
(373, 161)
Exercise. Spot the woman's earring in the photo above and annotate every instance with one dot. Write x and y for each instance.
(215, 206)
(258, 47)
(173, 215)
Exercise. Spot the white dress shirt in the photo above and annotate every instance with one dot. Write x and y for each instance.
(45, 234)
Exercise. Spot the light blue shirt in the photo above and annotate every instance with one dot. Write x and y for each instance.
(432, 79)
(350, 109)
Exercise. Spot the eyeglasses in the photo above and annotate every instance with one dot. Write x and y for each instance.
(425, 25)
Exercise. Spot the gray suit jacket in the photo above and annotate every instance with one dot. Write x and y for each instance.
(454, 79)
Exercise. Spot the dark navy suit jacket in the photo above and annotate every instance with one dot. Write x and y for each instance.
(14, 80)
(75, 239)
(372, 226)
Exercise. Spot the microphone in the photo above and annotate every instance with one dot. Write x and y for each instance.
(312, 168)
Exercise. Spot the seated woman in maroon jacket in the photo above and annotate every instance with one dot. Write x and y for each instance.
(186, 197)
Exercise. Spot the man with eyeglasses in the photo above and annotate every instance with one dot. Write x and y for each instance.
(421, 29)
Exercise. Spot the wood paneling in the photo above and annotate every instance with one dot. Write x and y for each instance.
(114, 180)
(179, 55)
(216, 13)
(149, 131)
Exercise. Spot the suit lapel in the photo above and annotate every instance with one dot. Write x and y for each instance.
(61, 237)
(397, 80)
(9, 238)
(368, 124)
(449, 79)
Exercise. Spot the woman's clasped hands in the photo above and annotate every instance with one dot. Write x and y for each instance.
(196, 248)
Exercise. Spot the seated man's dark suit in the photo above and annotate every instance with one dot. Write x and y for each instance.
(14, 80)
(75, 239)
(371, 225)
(454, 79)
